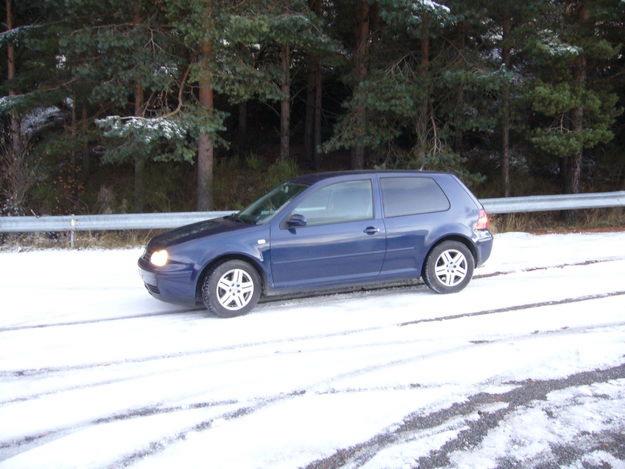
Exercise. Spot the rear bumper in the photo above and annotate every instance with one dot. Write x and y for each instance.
(172, 284)
(483, 247)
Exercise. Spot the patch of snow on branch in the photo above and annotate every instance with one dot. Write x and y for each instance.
(13, 35)
(553, 45)
(39, 118)
(166, 70)
(149, 128)
(433, 5)
(61, 60)
(9, 102)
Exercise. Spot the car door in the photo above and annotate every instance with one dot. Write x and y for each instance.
(342, 242)
(413, 207)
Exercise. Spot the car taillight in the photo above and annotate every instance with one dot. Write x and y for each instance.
(482, 221)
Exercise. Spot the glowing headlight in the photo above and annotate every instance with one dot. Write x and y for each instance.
(159, 258)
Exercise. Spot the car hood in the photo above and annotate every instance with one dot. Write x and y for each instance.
(196, 230)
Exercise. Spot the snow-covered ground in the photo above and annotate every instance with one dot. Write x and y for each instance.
(525, 367)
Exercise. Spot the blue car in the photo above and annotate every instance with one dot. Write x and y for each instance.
(323, 231)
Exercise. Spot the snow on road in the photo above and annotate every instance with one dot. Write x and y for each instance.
(525, 367)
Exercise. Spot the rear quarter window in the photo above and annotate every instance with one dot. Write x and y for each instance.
(412, 195)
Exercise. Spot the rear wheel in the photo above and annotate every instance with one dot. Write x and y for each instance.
(231, 289)
(449, 267)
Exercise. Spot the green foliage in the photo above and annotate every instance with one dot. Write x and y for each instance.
(407, 15)
(553, 100)
(442, 160)
(82, 65)
(279, 172)
(163, 138)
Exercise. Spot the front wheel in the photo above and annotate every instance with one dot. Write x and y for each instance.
(231, 289)
(449, 267)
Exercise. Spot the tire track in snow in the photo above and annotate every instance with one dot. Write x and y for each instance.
(157, 446)
(507, 309)
(547, 267)
(60, 369)
(391, 343)
(416, 422)
(160, 445)
(26, 442)
(409, 285)
(470, 345)
(146, 411)
(96, 321)
(304, 296)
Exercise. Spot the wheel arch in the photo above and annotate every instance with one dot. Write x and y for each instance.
(452, 237)
(224, 258)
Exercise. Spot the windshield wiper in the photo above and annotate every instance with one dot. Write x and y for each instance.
(237, 218)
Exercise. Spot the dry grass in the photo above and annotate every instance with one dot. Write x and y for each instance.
(608, 219)
(83, 240)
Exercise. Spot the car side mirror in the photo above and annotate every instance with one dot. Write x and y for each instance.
(296, 220)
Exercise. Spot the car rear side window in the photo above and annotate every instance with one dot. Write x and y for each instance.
(411, 196)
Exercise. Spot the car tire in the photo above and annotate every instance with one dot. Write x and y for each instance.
(449, 267)
(231, 289)
(425, 280)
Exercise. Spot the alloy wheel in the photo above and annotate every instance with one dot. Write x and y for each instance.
(451, 267)
(235, 289)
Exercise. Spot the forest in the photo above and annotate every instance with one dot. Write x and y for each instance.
(111, 106)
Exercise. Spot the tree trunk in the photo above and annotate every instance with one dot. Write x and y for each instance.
(16, 135)
(72, 131)
(425, 108)
(74, 168)
(285, 103)
(84, 127)
(505, 109)
(309, 124)
(317, 126)
(312, 130)
(458, 134)
(360, 64)
(139, 160)
(578, 127)
(205, 140)
(242, 128)
(564, 174)
(578, 112)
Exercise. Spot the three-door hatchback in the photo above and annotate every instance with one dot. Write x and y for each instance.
(324, 231)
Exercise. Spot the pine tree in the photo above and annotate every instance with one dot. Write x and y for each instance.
(312, 132)
(500, 88)
(31, 96)
(509, 26)
(574, 109)
(395, 84)
(296, 32)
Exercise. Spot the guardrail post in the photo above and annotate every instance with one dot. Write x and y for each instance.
(72, 232)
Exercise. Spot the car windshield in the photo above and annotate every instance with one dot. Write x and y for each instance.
(269, 204)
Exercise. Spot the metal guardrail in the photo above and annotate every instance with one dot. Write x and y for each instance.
(126, 221)
(547, 203)
(146, 221)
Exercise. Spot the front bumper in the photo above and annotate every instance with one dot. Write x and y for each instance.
(172, 283)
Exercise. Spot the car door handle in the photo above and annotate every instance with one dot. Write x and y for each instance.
(371, 230)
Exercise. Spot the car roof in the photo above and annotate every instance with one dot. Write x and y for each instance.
(313, 178)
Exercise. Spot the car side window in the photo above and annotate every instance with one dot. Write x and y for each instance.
(336, 203)
(412, 195)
